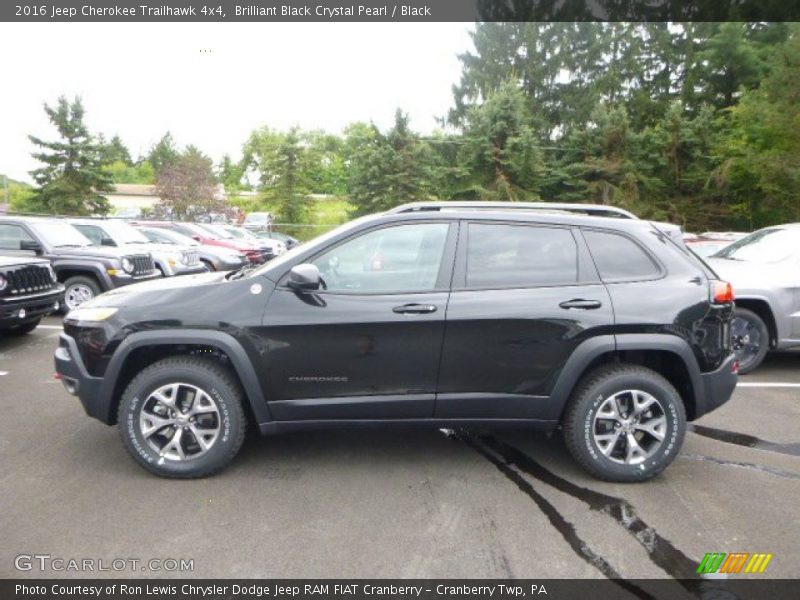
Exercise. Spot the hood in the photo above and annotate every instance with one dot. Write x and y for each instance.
(16, 261)
(156, 290)
(100, 251)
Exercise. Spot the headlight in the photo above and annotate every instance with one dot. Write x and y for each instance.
(3, 283)
(127, 265)
(91, 314)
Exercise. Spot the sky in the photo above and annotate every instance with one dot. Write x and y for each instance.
(211, 84)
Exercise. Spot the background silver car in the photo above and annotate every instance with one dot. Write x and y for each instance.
(764, 268)
(170, 260)
(213, 258)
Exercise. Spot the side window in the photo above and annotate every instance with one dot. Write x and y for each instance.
(11, 235)
(403, 258)
(520, 256)
(619, 258)
(95, 234)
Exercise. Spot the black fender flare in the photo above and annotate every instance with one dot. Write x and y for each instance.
(590, 349)
(87, 267)
(240, 361)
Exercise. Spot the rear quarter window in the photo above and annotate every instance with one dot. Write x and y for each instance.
(618, 258)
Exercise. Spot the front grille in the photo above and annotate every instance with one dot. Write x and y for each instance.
(30, 279)
(142, 265)
(191, 258)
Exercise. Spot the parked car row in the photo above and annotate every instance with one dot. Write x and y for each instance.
(57, 264)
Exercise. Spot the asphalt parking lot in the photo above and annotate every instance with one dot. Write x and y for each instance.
(396, 503)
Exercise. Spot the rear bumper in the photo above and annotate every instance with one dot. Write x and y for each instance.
(718, 387)
(78, 382)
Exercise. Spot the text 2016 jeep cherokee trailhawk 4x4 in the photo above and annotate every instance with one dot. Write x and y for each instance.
(424, 315)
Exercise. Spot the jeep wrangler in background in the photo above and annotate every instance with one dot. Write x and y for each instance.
(29, 292)
(427, 315)
(85, 270)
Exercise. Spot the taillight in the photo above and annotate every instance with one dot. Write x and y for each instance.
(721, 292)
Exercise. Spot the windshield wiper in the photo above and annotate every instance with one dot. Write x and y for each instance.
(69, 245)
(240, 272)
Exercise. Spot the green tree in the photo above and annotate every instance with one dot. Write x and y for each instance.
(122, 172)
(283, 162)
(500, 148)
(72, 179)
(386, 170)
(163, 153)
(114, 151)
(760, 168)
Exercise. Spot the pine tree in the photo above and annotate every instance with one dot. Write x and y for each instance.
(388, 169)
(163, 153)
(73, 178)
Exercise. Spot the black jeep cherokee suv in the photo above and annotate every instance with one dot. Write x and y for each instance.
(433, 316)
(85, 270)
(28, 291)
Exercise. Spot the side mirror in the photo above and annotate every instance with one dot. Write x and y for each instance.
(304, 278)
(106, 241)
(31, 245)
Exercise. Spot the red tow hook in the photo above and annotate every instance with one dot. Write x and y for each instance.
(735, 367)
(57, 376)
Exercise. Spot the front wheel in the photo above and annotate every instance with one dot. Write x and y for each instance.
(22, 329)
(182, 417)
(79, 290)
(749, 339)
(624, 423)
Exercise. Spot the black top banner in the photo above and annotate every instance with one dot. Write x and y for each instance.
(399, 10)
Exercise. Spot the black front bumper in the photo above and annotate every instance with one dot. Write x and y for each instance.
(78, 382)
(35, 306)
(718, 387)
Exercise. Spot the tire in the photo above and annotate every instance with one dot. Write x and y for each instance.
(79, 289)
(21, 329)
(749, 339)
(612, 458)
(220, 410)
(208, 264)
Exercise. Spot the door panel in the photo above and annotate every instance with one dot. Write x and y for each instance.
(503, 349)
(524, 297)
(368, 346)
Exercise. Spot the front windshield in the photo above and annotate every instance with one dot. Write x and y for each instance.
(311, 246)
(60, 233)
(195, 229)
(237, 233)
(220, 232)
(122, 233)
(765, 245)
(157, 237)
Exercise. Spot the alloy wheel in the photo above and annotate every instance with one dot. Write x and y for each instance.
(180, 421)
(629, 427)
(745, 340)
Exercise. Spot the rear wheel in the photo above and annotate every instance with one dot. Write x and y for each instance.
(624, 423)
(207, 264)
(749, 339)
(182, 417)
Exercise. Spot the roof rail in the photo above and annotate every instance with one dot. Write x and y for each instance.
(594, 210)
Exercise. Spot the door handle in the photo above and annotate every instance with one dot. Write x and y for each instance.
(581, 303)
(414, 309)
